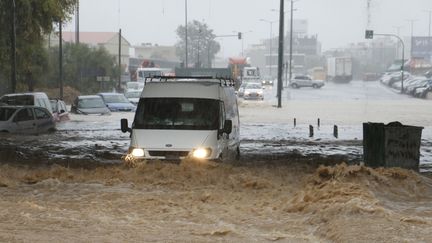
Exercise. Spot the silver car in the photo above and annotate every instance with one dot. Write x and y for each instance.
(26, 120)
(305, 81)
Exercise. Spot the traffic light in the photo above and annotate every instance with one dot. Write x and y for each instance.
(369, 34)
(239, 35)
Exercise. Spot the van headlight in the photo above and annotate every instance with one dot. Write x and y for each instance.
(137, 152)
(201, 153)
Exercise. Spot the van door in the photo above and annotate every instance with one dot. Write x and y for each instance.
(25, 121)
(222, 137)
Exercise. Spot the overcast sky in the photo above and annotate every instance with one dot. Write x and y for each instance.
(336, 22)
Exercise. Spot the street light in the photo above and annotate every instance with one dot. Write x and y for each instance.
(270, 49)
(369, 34)
(241, 36)
(186, 36)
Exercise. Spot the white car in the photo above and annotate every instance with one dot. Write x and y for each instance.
(253, 91)
(25, 119)
(133, 95)
(305, 81)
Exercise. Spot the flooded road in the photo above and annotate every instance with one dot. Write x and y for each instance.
(71, 185)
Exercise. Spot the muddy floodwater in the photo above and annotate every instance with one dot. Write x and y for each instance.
(73, 186)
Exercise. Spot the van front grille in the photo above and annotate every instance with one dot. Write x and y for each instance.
(168, 153)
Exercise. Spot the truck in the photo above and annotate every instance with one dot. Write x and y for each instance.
(339, 69)
(251, 75)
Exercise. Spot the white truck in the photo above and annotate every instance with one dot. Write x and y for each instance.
(251, 75)
(339, 69)
(185, 118)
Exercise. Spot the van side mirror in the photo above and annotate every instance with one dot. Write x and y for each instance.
(124, 126)
(227, 127)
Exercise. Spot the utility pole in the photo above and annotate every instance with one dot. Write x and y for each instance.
(291, 41)
(119, 61)
(186, 36)
(270, 44)
(429, 34)
(61, 58)
(412, 35)
(13, 49)
(77, 31)
(398, 34)
(280, 55)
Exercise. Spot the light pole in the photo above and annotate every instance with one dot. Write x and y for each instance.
(270, 40)
(280, 52)
(412, 34)
(429, 33)
(186, 36)
(370, 34)
(13, 49)
(241, 35)
(291, 41)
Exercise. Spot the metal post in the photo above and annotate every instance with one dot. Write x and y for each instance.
(13, 49)
(186, 36)
(77, 31)
(335, 131)
(291, 41)
(311, 131)
(270, 50)
(61, 58)
(280, 55)
(119, 61)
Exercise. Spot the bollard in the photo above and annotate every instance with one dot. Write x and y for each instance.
(295, 122)
(311, 131)
(335, 131)
(318, 122)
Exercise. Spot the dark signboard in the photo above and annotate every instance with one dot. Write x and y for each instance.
(421, 47)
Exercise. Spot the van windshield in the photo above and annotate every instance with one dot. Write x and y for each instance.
(177, 113)
(18, 100)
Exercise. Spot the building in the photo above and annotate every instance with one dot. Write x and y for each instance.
(107, 40)
(305, 50)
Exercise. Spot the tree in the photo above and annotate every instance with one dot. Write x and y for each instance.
(202, 46)
(34, 20)
(82, 65)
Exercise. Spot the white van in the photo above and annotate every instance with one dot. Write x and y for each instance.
(178, 118)
(23, 99)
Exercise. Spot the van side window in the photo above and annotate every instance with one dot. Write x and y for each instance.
(221, 115)
(24, 115)
(41, 114)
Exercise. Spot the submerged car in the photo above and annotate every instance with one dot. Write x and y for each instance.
(253, 91)
(25, 120)
(117, 102)
(89, 104)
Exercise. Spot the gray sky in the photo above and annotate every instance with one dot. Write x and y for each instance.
(337, 22)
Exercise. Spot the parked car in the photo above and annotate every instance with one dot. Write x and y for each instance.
(305, 81)
(32, 99)
(60, 111)
(117, 102)
(133, 95)
(253, 91)
(26, 120)
(410, 89)
(421, 90)
(89, 104)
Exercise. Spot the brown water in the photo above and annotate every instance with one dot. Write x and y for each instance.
(285, 201)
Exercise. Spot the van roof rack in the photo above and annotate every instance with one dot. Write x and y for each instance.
(224, 81)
